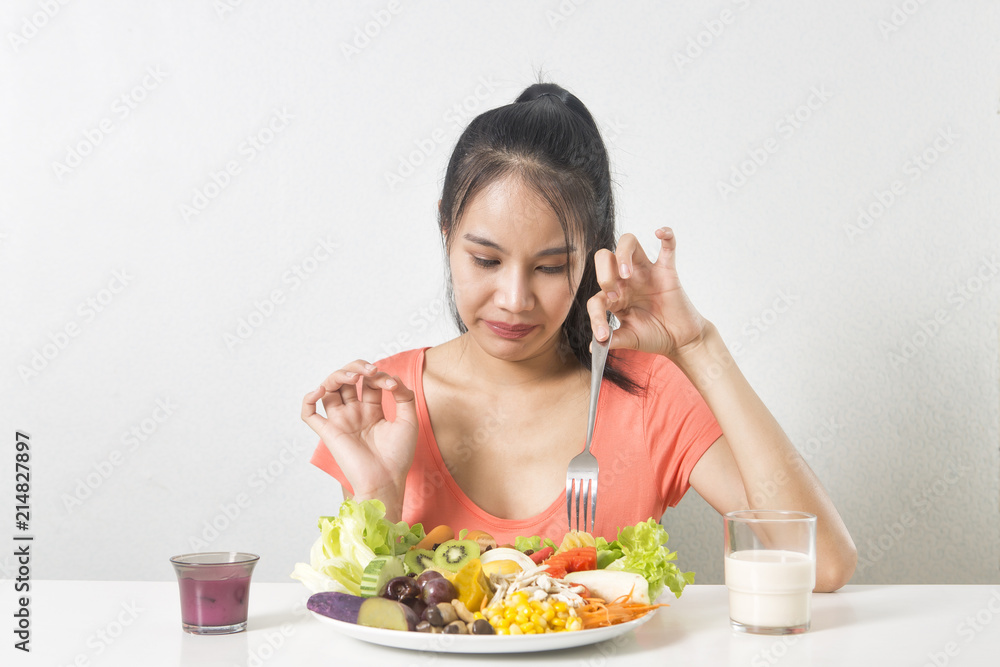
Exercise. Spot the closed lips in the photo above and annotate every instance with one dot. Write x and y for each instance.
(513, 328)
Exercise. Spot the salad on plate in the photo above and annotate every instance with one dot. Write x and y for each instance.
(367, 570)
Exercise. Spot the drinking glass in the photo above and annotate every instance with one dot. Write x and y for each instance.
(770, 570)
(215, 591)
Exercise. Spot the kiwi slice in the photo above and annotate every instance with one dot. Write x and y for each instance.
(454, 554)
(418, 560)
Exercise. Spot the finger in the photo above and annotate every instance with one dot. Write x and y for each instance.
(372, 386)
(597, 307)
(629, 255)
(342, 383)
(406, 404)
(668, 244)
(309, 415)
(344, 395)
(606, 269)
(624, 338)
(616, 290)
(348, 374)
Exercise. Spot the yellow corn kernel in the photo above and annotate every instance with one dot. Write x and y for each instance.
(521, 615)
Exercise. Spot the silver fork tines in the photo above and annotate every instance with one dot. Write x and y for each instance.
(585, 488)
(581, 478)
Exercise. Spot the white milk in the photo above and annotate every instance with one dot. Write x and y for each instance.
(770, 588)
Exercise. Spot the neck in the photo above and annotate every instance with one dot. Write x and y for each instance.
(554, 362)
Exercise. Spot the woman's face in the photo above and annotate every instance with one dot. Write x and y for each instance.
(510, 268)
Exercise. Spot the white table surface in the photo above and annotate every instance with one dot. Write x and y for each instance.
(138, 624)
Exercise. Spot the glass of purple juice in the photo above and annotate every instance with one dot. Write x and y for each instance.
(215, 591)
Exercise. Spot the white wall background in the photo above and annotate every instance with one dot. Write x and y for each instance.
(898, 415)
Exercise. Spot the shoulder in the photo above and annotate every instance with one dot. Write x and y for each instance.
(401, 362)
(657, 375)
(644, 367)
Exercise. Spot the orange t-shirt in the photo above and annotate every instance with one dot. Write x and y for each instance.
(646, 447)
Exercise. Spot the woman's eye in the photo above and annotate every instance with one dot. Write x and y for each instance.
(485, 263)
(552, 269)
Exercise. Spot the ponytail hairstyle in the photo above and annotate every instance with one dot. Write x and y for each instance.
(548, 140)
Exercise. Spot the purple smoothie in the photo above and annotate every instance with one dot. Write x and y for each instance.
(214, 603)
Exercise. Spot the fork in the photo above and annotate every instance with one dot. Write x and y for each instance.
(581, 478)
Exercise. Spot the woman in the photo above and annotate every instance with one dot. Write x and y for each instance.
(478, 432)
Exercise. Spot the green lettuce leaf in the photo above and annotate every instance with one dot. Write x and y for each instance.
(522, 544)
(607, 553)
(643, 552)
(535, 543)
(349, 541)
(409, 536)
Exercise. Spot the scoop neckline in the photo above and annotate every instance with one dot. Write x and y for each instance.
(453, 487)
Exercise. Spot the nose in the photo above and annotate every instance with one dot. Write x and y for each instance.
(513, 292)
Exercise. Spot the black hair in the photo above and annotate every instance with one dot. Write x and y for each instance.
(548, 139)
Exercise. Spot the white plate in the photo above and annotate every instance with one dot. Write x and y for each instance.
(421, 641)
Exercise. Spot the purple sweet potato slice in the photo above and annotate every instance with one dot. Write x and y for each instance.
(341, 606)
(387, 614)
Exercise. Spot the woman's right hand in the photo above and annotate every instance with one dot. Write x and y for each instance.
(374, 454)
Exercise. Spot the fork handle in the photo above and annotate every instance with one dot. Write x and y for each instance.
(599, 356)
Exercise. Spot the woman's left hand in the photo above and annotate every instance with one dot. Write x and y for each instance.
(647, 298)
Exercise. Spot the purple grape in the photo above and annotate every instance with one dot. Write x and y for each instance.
(402, 589)
(417, 605)
(439, 590)
(428, 575)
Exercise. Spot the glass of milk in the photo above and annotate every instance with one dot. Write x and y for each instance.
(770, 570)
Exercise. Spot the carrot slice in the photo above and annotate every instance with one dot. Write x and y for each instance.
(597, 613)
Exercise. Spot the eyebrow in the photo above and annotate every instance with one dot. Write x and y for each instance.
(479, 240)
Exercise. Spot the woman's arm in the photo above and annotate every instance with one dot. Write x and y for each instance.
(754, 465)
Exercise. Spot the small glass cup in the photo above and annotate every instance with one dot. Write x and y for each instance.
(770, 570)
(215, 591)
